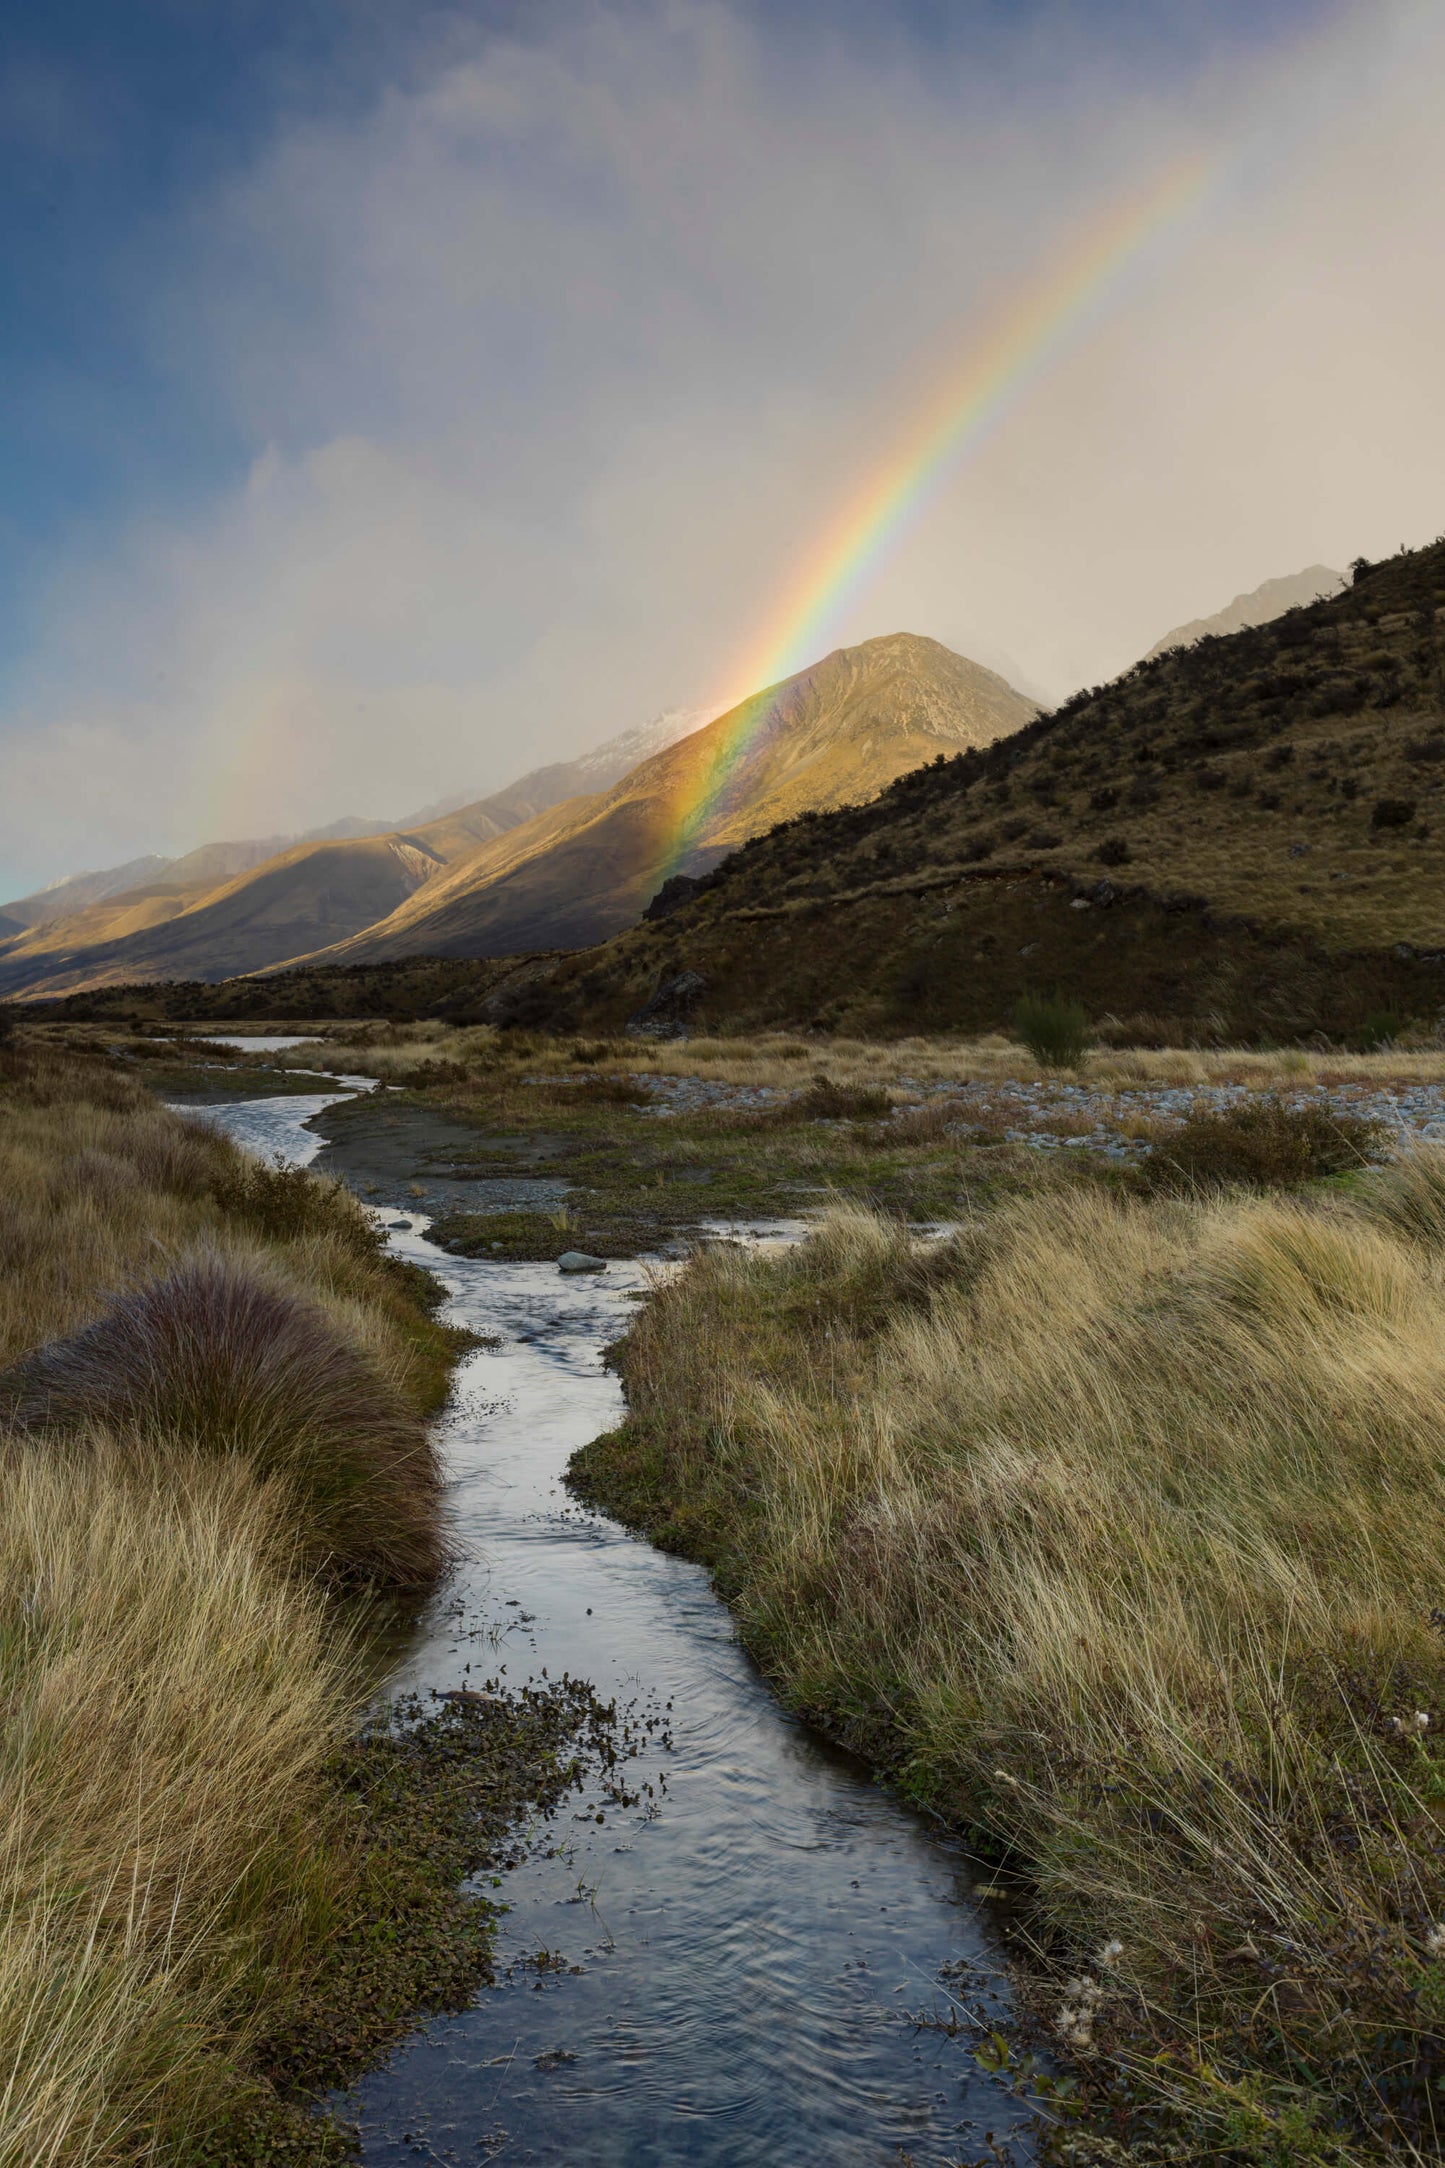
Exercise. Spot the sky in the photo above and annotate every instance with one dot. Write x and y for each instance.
(394, 397)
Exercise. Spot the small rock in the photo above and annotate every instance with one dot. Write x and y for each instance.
(466, 1697)
(579, 1261)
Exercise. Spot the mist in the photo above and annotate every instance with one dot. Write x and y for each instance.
(548, 361)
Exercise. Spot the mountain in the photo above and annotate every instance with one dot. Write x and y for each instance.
(1239, 840)
(492, 877)
(147, 891)
(308, 896)
(198, 869)
(836, 733)
(535, 792)
(1259, 607)
(64, 897)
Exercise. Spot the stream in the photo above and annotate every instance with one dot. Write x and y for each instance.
(728, 1970)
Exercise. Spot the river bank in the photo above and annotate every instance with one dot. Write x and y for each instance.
(216, 1480)
(768, 1438)
(1111, 1528)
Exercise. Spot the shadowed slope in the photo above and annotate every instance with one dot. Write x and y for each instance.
(318, 891)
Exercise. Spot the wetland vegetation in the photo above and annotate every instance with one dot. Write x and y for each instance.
(1097, 1500)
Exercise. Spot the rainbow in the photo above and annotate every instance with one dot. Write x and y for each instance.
(949, 424)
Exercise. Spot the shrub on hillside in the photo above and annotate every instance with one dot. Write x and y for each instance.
(1381, 1028)
(215, 1358)
(1392, 813)
(1113, 851)
(1055, 1031)
(1262, 1144)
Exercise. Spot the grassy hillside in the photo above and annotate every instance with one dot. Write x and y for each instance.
(1239, 838)
(836, 733)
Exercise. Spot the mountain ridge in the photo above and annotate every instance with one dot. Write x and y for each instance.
(1238, 838)
(572, 872)
(1260, 606)
(844, 727)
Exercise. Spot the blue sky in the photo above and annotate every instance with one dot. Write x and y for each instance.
(392, 395)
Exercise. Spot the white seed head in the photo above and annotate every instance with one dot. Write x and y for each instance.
(1110, 1954)
(1435, 1942)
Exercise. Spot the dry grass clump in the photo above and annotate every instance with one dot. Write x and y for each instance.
(1262, 1143)
(1118, 1531)
(220, 1358)
(170, 1695)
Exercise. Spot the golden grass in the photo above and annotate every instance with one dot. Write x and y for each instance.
(171, 1865)
(1117, 1526)
(170, 1694)
(432, 1053)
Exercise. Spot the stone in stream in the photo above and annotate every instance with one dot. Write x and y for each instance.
(579, 1261)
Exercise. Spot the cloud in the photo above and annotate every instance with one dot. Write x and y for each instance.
(554, 354)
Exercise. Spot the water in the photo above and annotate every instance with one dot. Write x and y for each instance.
(736, 1968)
(260, 1042)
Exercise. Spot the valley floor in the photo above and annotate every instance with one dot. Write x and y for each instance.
(1108, 1521)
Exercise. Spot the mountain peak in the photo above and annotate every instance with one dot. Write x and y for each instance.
(1261, 606)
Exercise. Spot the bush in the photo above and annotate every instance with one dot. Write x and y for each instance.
(286, 1204)
(826, 1101)
(596, 1091)
(1264, 1144)
(1055, 1031)
(1113, 851)
(1381, 1028)
(1392, 813)
(217, 1359)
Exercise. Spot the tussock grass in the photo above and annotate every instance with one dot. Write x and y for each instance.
(1114, 1527)
(171, 1694)
(222, 1357)
(212, 1391)
(452, 1061)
